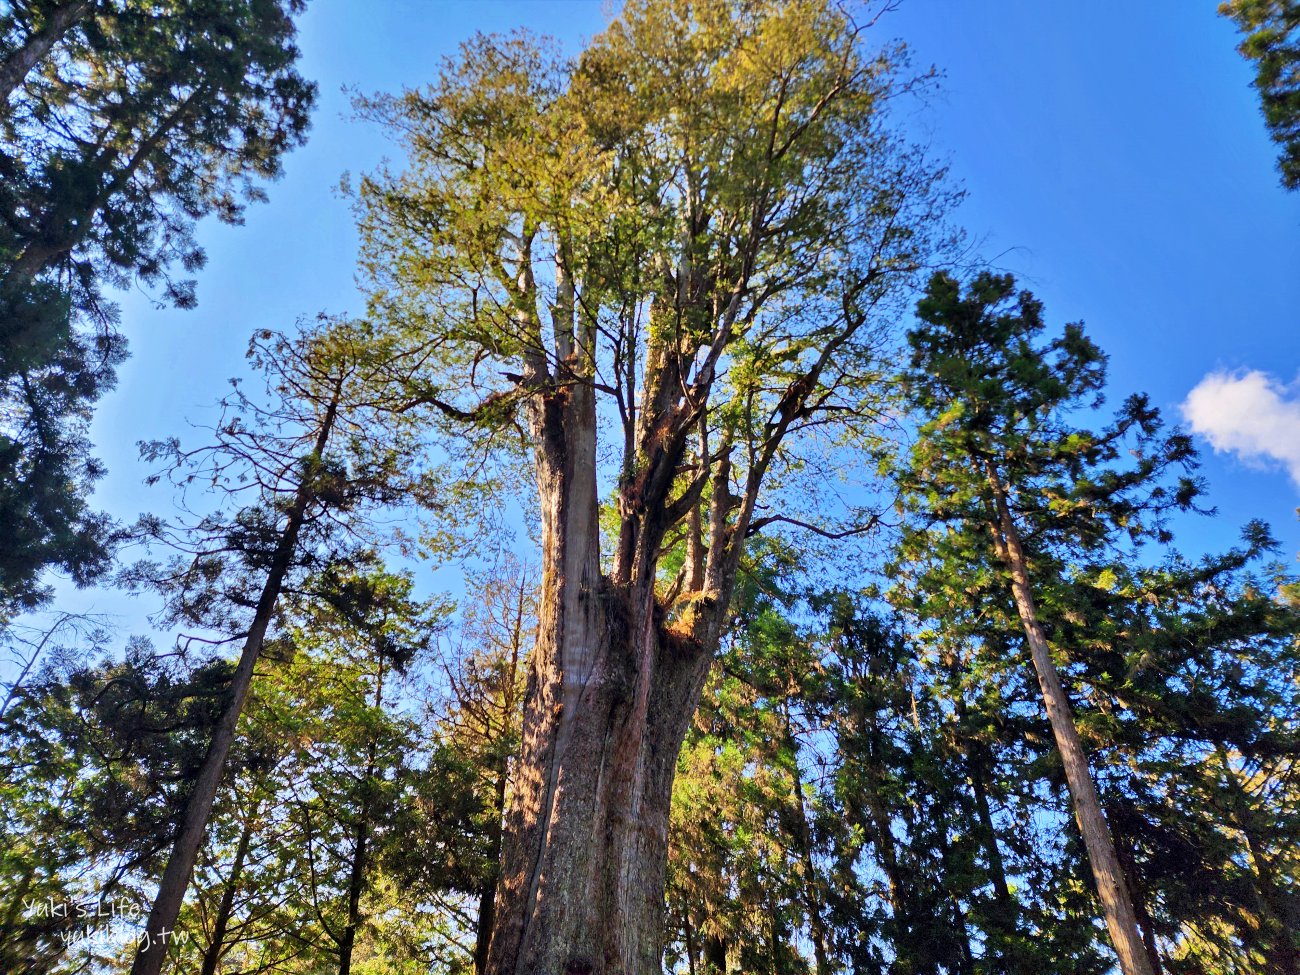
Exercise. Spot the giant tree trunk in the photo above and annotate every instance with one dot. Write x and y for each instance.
(1112, 886)
(610, 694)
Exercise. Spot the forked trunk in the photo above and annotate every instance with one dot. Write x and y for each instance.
(583, 865)
(610, 695)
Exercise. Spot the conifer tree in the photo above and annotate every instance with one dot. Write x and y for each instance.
(1004, 484)
(298, 471)
(122, 123)
(1272, 42)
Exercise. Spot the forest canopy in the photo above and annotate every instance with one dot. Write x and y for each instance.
(690, 552)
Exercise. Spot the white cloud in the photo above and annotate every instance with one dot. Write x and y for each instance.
(1250, 414)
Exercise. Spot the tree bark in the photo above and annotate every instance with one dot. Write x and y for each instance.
(1112, 887)
(17, 66)
(160, 927)
(611, 692)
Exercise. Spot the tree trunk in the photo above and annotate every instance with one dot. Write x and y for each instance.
(17, 66)
(809, 887)
(51, 245)
(1128, 863)
(1006, 924)
(1112, 886)
(488, 896)
(356, 884)
(610, 695)
(216, 948)
(160, 928)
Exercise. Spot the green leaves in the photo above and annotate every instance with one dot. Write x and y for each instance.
(1272, 41)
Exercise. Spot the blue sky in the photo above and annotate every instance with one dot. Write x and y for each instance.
(1113, 153)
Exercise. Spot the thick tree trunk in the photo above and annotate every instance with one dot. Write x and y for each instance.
(610, 695)
(1112, 887)
(17, 66)
(160, 928)
(217, 946)
(583, 865)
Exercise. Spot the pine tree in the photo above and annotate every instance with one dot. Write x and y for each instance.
(123, 124)
(1004, 484)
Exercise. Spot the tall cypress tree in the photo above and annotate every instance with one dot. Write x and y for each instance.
(1005, 485)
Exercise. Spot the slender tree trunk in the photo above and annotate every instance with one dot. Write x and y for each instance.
(688, 930)
(356, 885)
(17, 66)
(487, 901)
(1006, 925)
(160, 929)
(1112, 887)
(810, 886)
(53, 244)
(216, 948)
(1128, 863)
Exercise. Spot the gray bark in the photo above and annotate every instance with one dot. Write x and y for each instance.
(1112, 886)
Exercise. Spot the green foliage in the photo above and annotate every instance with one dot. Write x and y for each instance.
(96, 761)
(1272, 42)
(1182, 674)
(125, 123)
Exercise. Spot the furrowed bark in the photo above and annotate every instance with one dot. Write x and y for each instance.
(1112, 886)
(160, 927)
(611, 692)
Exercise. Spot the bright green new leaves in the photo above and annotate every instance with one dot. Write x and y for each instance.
(700, 219)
